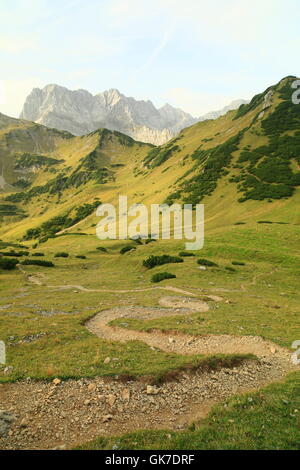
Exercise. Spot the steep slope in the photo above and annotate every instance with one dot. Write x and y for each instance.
(79, 112)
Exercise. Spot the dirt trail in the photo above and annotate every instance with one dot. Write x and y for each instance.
(65, 414)
(179, 343)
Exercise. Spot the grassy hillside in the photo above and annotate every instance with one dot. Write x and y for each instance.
(231, 164)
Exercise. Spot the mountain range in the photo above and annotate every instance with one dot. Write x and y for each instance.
(79, 112)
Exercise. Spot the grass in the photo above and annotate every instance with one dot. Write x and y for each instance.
(266, 420)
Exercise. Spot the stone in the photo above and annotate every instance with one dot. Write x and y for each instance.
(111, 400)
(6, 419)
(150, 390)
(56, 381)
(107, 360)
(126, 394)
(107, 418)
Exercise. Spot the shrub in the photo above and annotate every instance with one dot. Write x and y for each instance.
(264, 222)
(15, 253)
(159, 155)
(56, 224)
(137, 240)
(38, 254)
(150, 240)
(159, 260)
(101, 248)
(37, 262)
(206, 262)
(238, 263)
(61, 254)
(158, 277)
(8, 263)
(230, 269)
(81, 256)
(127, 248)
(210, 166)
(186, 254)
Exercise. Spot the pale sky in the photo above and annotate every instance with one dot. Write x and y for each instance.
(194, 54)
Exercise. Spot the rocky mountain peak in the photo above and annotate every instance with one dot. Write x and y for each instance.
(80, 112)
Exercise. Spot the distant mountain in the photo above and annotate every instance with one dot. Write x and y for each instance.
(80, 112)
(215, 114)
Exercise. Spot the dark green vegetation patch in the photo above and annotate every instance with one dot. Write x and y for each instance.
(158, 277)
(127, 248)
(7, 210)
(186, 254)
(37, 262)
(159, 155)
(206, 262)
(213, 163)
(160, 260)
(27, 160)
(61, 254)
(49, 228)
(13, 253)
(8, 263)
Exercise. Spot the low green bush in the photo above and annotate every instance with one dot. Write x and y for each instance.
(127, 248)
(138, 241)
(16, 254)
(8, 263)
(230, 269)
(264, 222)
(186, 254)
(159, 260)
(150, 240)
(158, 277)
(81, 256)
(61, 254)
(38, 254)
(37, 262)
(101, 248)
(206, 262)
(238, 263)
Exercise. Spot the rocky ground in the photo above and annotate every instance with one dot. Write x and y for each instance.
(40, 415)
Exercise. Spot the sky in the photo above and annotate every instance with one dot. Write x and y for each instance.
(197, 55)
